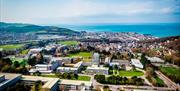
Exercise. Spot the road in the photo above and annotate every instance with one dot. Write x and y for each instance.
(168, 82)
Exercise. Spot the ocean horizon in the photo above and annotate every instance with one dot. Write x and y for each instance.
(154, 29)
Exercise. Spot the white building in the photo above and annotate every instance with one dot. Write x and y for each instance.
(47, 68)
(75, 69)
(94, 69)
(107, 60)
(96, 59)
(136, 63)
(155, 59)
(35, 50)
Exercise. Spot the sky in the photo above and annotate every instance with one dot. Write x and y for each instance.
(89, 11)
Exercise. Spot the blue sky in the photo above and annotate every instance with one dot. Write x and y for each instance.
(89, 11)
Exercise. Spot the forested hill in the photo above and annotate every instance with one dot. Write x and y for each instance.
(29, 28)
(172, 42)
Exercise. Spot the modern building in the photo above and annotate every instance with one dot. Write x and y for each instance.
(8, 80)
(46, 68)
(107, 60)
(74, 85)
(96, 59)
(35, 50)
(75, 69)
(49, 84)
(121, 62)
(155, 59)
(94, 69)
(136, 63)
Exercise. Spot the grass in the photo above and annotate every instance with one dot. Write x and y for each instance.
(69, 43)
(24, 52)
(84, 78)
(81, 78)
(172, 72)
(11, 46)
(86, 56)
(130, 73)
(159, 81)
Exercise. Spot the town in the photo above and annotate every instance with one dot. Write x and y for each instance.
(91, 62)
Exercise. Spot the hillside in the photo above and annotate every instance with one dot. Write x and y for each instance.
(27, 28)
(172, 42)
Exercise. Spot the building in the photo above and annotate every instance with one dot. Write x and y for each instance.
(35, 50)
(94, 69)
(107, 60)
(122, 62)
(136, 63)
(155, 59)
(74, 85)
(47, 68)
(8, 80)
(96, 59)
(49, 84)
(75, 69)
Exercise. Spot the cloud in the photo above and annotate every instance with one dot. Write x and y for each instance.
(85, 10)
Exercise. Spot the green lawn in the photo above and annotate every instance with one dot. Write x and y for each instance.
(81, 78)
(172, 72)
(24, 52)
(69, 43)
(11, 46)
(160, 82)
(86, 56)
(130, 73)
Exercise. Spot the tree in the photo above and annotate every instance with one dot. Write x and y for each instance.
(6, 68)
(32, 61)
(76, 76)
(37, 86)
(100, 78)
(19, 87)
(149, 72)
(16, 64)
(37, 73)
(65, 75)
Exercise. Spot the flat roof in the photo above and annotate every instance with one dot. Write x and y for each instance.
(75, 82)
(49, 82)
(8, 77)
(67, 68)
(97, 68)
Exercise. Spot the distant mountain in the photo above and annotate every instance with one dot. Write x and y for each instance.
(28, 28)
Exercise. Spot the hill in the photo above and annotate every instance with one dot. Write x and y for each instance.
(29, 28)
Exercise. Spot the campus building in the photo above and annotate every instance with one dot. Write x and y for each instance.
(96, 59)
(8, 80)
(94, 69)
(73, 85)
(75, 69)
(136, 63)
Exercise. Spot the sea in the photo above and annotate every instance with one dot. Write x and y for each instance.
(154, 29)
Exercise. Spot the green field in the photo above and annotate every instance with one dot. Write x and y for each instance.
(172, 72)
(160, 82)
(24, 52)
(11, 46)
(86, 56)
(130, 73)
(69, 43)
(81, 78)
